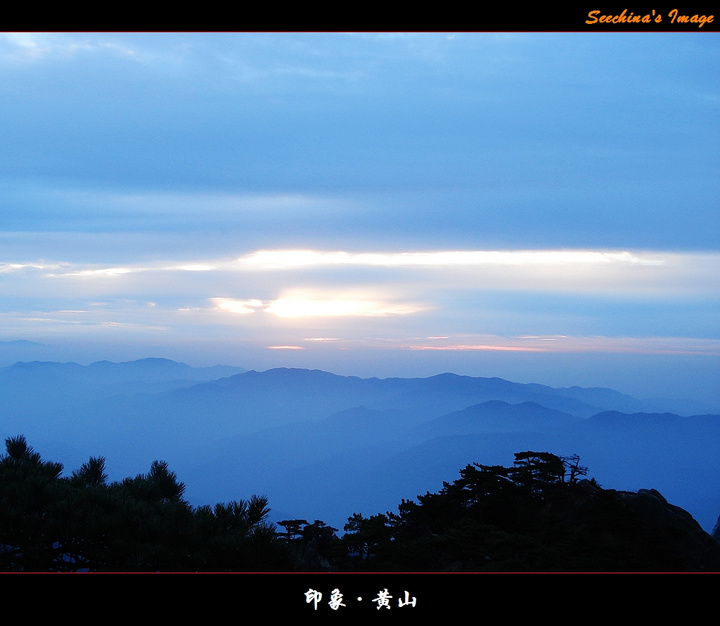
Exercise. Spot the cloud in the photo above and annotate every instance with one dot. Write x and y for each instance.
(289, 259)
(474, 347)
(35, 47)
(317, 305)
(574, 344)
(337, 307)
(241, 307)
(498, 287)
(580, 271)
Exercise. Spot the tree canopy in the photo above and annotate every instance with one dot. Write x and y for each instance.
(85, 523)
(540, 514)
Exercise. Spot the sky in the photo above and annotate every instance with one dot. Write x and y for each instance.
(542, 207)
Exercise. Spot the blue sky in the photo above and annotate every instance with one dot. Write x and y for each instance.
(537, 206)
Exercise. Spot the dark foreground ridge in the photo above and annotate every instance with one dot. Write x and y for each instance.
(540, 514)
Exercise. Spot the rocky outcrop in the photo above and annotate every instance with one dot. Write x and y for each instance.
(677, 534)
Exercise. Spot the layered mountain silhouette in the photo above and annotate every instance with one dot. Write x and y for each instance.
(323, 446)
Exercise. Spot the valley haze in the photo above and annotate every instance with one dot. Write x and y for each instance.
(335, 268)
(325, 446)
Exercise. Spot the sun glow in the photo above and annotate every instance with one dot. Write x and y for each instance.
(313, 304)
(305, 307)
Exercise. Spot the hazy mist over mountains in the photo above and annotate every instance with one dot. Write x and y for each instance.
(323, 446)
(335, 268)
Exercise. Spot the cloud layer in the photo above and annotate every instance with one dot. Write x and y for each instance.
(447, 196)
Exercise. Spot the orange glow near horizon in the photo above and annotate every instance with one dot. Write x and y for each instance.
(588, 344)
(461, 348)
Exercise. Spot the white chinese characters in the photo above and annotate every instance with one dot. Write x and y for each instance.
(383, 599)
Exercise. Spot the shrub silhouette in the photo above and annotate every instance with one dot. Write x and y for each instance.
(84, 523)
(538, 515)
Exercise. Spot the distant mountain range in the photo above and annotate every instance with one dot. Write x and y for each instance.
(323, 446)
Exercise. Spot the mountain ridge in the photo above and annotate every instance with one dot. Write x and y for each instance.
(283, 429)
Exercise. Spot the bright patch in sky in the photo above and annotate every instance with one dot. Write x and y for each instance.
(304, 307)
(288, 259)
(242, 307)
(297, 306)
(447, 201)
